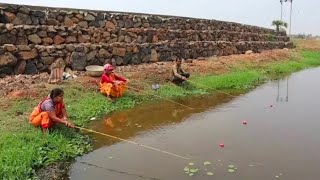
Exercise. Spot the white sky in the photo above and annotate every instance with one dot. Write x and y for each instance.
(306, 16)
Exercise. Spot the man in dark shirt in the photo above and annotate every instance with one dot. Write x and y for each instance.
(178, 75)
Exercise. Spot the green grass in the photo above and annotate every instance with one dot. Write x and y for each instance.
(23, 152)
(237, 80)
(23, 148)
(311, 58)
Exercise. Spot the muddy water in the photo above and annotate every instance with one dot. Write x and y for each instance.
(280, 141)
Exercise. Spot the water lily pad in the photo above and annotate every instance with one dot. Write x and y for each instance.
(206, 163)
(231, 166)
(209, 173)
(231, 170)
(194, 170)
(191, 164)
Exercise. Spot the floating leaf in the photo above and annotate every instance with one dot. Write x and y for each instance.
(194, 170)
(191, 164)
(191, 174)
(186, 169)
(230, 170)
(231, 166)
(209, 173)
(206, 163)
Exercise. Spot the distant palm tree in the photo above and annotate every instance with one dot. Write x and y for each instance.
(279, 24)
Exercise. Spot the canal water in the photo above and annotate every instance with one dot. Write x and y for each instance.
(281, 139)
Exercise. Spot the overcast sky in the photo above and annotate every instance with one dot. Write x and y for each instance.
(306, 16)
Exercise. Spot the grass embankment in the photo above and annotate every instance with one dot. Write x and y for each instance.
(23, 148)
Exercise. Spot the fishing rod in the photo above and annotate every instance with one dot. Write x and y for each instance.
(132, 142)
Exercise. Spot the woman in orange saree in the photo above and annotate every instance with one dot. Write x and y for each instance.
(112, 85)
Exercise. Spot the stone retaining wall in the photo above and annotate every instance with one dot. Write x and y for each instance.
(32, 40)
(23, 15)
(34, 58)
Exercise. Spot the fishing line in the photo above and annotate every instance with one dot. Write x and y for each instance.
(132, 142)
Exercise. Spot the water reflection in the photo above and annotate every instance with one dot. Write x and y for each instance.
(280, 88)
(152, 116)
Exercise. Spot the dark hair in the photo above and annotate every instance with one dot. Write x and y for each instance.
(56, 92)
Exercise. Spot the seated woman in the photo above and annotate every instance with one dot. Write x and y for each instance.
(50, 111)
(112, 85)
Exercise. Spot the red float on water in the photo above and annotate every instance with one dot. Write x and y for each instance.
(221, 145)
(244, 122)
(271, 105)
